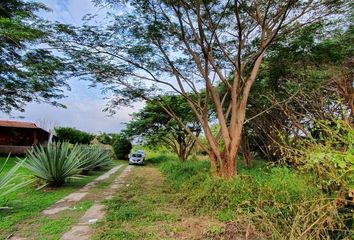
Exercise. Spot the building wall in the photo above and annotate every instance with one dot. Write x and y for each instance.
(13, 150)
(22, 136)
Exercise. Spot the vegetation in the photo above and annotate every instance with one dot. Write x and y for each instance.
(108, 138)
(72, 135)
(221, 49)
(9, 180)
(122, 147)
(28, 70)
(331, 159)
(269, 81)
(156, 128)
(141, 210)
(277, 201)
(94, 158)
(303, 94)
(55, 163)
(24, 207)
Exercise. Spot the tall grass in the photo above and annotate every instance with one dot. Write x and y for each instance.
(281, 203)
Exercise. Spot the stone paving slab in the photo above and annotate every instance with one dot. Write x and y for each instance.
(55, 210)
(73, 197)
(93, 214)
(78, 233)
(82, 230)
(17, 238)
(67, 201)
(108, 174)
(64, 203)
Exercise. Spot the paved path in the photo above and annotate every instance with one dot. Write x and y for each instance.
(83, 230)
(75, 197)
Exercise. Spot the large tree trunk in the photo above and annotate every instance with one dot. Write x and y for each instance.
(228, 160)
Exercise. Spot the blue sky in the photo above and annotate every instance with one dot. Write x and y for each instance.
(84, 104)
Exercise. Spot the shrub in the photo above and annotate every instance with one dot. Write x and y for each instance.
(72, 135)
(122, 148)
(55, 163)
(94, 158)
(9, 180)
(330, 156)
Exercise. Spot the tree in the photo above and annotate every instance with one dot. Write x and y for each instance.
(28, 71)
(192, 47)
(73, 135)
(108, 138)
(156, 127)
(298, 91)
(122, 147)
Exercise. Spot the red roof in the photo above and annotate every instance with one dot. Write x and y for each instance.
(16, 124)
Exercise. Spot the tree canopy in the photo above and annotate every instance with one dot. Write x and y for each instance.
(28, 70)
(156, 127)
(181, 47)
(73, 135)
(122, 147)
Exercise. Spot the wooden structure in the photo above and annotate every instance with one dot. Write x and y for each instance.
(18, 137)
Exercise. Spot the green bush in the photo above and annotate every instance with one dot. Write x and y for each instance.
(72, 135)
(329, 156)
(332, 160)
(55, 163)
(95, 158)
(122, 148)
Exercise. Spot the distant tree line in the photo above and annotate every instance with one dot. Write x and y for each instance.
(120, 144)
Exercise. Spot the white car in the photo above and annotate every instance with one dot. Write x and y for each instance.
(141, 152)
(136, 158)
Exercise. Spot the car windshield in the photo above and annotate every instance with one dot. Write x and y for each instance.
(136, 155)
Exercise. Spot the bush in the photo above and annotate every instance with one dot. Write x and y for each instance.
(122, 148)
(56, 163)
(72, 135)
(330, 156)
(95, 158)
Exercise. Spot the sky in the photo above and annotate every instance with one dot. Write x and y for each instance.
(84, 104)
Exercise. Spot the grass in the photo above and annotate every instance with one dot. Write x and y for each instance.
(137, 207)
(146, 208)
(277, 201)
(27, 202)
(53, 228)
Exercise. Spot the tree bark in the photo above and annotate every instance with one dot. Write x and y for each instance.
(247, 160)
(213, 164)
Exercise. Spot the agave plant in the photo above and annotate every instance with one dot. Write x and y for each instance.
(55, 163)
(95, 158)
(9, 181)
